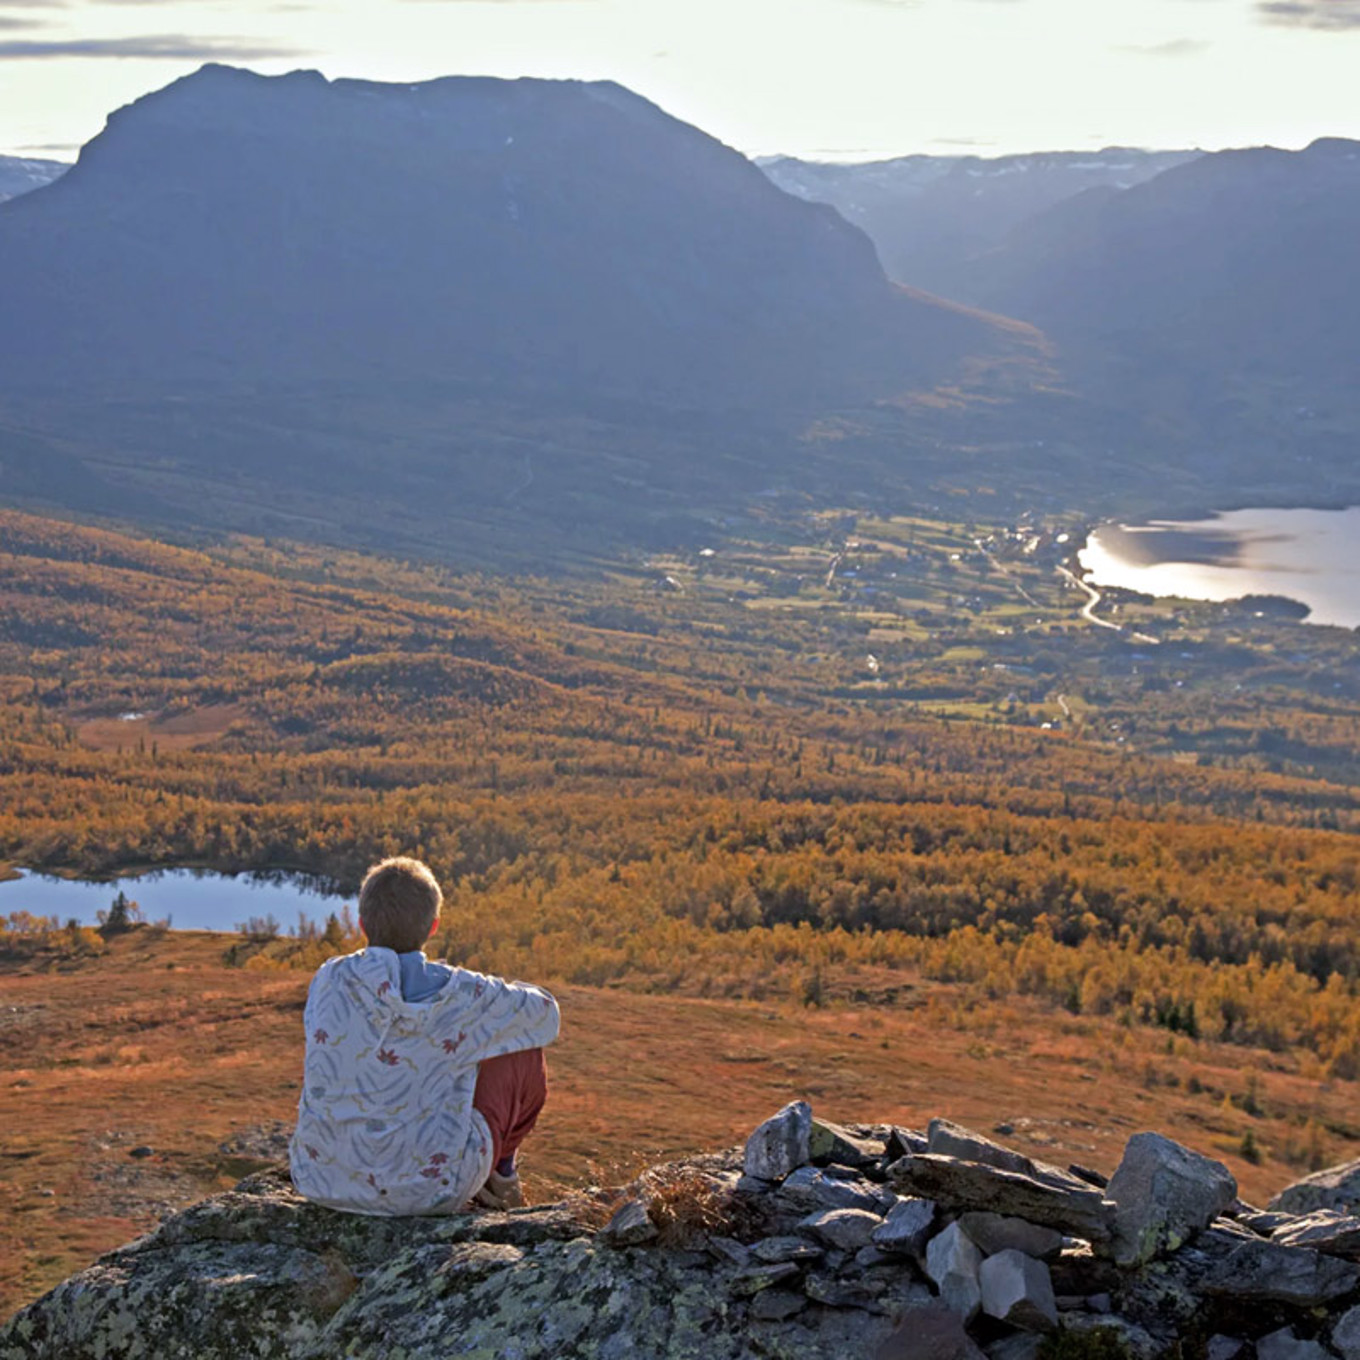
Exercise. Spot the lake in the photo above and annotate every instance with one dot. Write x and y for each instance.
(1312, 556)
(192, 899)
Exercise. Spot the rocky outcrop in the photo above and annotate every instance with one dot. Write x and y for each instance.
(1163, 1194)
(756, 1252)
(1338, 1188)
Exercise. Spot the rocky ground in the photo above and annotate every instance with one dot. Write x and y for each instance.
(815, 1241)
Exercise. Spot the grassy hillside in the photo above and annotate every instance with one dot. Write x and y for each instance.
(1121, 854)
(157, 1044)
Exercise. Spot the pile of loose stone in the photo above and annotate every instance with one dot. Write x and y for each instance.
(973, 1248)
(814, 1242)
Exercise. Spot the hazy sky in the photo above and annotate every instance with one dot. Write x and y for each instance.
(838, 79)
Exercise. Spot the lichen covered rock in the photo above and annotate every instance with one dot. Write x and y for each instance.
(1335, 1187)
(1164, 1193)
(781, 1144)
(698, 1261)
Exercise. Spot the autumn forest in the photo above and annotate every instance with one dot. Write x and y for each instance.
(622, 784)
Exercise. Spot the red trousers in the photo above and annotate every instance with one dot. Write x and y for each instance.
(510, 1093)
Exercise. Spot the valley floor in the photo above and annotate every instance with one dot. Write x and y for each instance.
(138, 1080)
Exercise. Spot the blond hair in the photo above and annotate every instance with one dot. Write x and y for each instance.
(399, 903)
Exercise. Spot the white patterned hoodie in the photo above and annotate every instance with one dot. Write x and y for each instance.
(385, 1120)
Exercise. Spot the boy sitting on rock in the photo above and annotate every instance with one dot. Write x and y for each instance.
(420, 1080)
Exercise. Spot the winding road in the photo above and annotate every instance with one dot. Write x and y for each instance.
(1089, 609)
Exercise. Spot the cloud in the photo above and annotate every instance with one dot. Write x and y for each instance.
(160, 46)
(9, 23)
(1177, 47)
(1335, 16)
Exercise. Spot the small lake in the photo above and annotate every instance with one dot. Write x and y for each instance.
(192, 899)
(1312, 556)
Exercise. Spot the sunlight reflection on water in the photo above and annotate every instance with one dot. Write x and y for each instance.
(1312, 556)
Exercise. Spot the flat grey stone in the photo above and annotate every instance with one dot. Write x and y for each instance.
(1284, 1345)
(997, 1232)
(866, 1258)
(772, 1249)
(965, 1185)
(781, 1143)
(906, 1230)
(1346, 1334)
(1164, 1194)
(1262, 1221)
(832, 1143)
(630, 1226)
(774, 1305)
(902, 1142)
(1222, 1347)
(811, 1188)
(847, 1229)
(1336, 1187)
(898, 1291)
(1232, 1227)
(953, 1262)
(730, 1250)
(1087, 1174)
(1017, 1289)
(947, 1139)
(837, 1293)
(755, 1278)
(1257, 1271)
(1324, 1230)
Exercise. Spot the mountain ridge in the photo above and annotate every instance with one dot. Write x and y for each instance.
(580, 228)
(1235, 268)
(24, 174)
(930, 215)
(271, 302)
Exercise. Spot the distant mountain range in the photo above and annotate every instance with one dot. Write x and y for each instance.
(1239, 264)
(475, 317)
(20, 174)
(1207, 304)
(931, 216)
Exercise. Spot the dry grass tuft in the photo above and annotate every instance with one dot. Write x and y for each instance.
(685, 1204)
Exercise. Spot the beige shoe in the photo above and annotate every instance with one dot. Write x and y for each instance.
(500, 1192)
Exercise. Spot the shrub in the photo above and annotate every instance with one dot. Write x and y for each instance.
(685, 1204)
(259, 929)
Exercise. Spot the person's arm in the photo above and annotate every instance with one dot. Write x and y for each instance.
(508, 1017)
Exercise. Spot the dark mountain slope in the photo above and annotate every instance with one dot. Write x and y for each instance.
(416, 315)
(539, 234)
(1239, 266)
